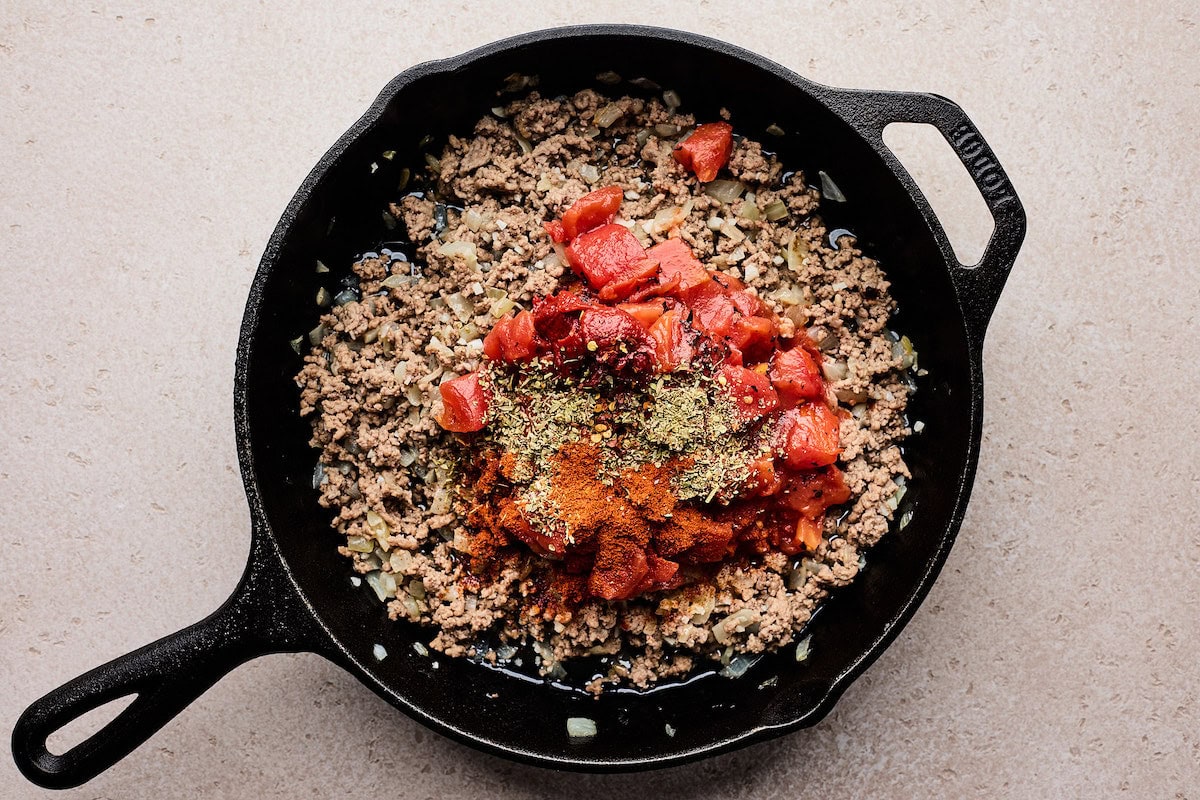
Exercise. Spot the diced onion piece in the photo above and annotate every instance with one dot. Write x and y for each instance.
(671, 100)
(321, 266)
(590, 173)
(749, 210)
(324, 298)
(666, 130)
(295, 343)
(835, 370)
(608, 78)
(803, 648)
(525, 145)
(499, 111)
(776, 210)
(395, 281)
(420, 649)
(502, 307)
(434, 162)
(317, 334)
(830, 189)
(376, 583)
(359, 544)
(724, 190)
(774, 130)
(738, 665)
(581, 727)
(492, 293)
(379, 651)
(463, 308)
(797, 251)
(464, 250)
(473, 219)
(607, 115)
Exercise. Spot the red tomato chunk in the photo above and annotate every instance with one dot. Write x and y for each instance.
(464, 404)
(592, 210)
(706, 150)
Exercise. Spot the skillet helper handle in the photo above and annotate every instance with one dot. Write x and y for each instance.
(262, 616)
(978, 285)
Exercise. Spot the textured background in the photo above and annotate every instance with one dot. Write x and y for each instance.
(146, 152)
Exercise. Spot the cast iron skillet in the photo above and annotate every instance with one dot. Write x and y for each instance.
(295, 594)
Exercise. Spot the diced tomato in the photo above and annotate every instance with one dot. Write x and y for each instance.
(556, 230)
(618, 578)
(676, 260)
(592, 210)
(747, 304)
(751, 391)
(645, 313)
(764, 480)
(608, 253)
(807, 437)
(812, 492)
(554, 316)
(671, 346)
(712, 310)
(806, 535)
(661, 574)
(795, 375)
(638, 275)
(464, 404)
(512, 338)
(706, 150)
(655, 289)
(749, 333)
(726, 282)
(615, 338)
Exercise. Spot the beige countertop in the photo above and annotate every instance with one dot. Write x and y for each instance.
(146, 152)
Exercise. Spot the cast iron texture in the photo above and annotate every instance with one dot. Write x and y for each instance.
(296, 595)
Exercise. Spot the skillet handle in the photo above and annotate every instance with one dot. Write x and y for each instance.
(263, 615)
(978, 285)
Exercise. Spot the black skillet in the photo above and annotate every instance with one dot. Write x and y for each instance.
(296, 594)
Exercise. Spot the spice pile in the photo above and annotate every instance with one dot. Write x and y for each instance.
(605, 409)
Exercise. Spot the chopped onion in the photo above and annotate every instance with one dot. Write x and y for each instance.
(590, 173)
(434, 162)
(918, 426)
(803, 648)
(395, 281)
(463, 308)
(774, 130)
(376, 583)
(835, 370)
(317, 334)
(416, 587)
(499, 111)
(420, 649)
(607, 115)
(671, 100)
(830, 189)
(415, 395)
(502, 307)
(723, 190)
(473, 219)
(609, 78)
(318, 477)
(669, 730)
(295, 343)
(379, 652)
(645, 83)
(666, 130)
(751, 273)
(525, 145)
(324, 298)
(464, 250)
(749, 211)
(738, 665)
(321, 266)
(736, 622)
(441, 501)
(581, 727)
(905, 518)
(359, 544)
(797, 251)
(776, 210)
(400, 561)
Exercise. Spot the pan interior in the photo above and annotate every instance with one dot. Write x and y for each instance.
(337, 215)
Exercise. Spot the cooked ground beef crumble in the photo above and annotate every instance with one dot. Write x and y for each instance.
(371, 383)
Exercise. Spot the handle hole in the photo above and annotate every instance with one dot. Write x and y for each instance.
(947, 186)
(83, 727)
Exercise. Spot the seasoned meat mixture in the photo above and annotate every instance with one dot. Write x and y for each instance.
(418, 504)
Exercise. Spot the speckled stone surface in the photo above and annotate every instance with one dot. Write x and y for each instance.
(146, 152)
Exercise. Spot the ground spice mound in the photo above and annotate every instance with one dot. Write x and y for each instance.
(396, 483)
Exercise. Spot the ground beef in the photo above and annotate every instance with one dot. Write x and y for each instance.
(370, 384)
